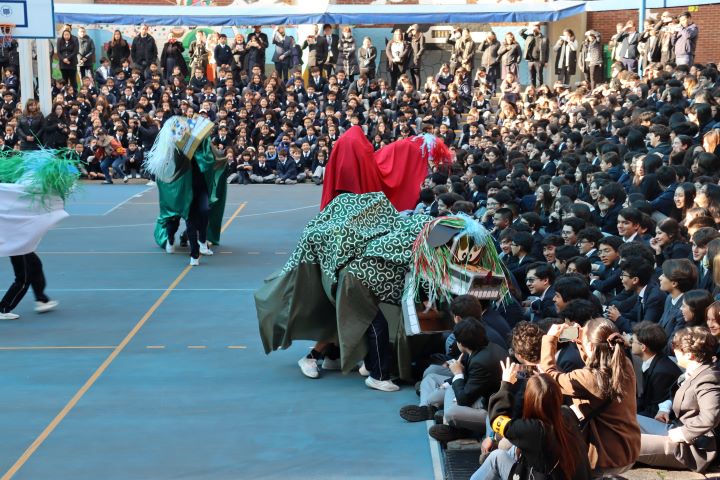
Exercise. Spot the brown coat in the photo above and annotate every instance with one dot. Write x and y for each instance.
(613, 436)
(696, 406)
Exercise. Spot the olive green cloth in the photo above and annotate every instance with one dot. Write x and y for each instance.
(351, 260)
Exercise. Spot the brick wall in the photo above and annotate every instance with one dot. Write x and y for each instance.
(707, 18)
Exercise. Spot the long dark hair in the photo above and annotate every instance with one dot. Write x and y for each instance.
(122, 41)
(543, 399)
(698, 301)
(607, 360)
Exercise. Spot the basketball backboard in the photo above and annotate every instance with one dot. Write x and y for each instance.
(32, 18)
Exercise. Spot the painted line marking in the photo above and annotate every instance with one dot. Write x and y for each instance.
(57, 347)
(155, 347)
(435, 454)
(96, 252)
(101, 369)
(234, 215)
(153, 289)
(253, 253)
(239, 347)
(137, 195)
(133, 225)
(197, 347)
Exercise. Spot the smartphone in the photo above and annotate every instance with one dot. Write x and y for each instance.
(569, 334)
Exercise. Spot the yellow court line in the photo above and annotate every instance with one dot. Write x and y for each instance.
(234, 215)
(69, 347)
(101, 369)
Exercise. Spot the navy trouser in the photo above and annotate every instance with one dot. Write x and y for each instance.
(378, 357)
(28, 273)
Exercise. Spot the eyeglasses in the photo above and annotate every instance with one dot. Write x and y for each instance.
(530, 279)
(623, 274)
(605, 252)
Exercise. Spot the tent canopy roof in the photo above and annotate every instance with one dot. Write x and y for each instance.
(317, 12)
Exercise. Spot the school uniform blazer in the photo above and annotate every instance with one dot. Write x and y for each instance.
(482, 375)
(696, 408)
(672, 319)
(657, 382)
(609, 281)
(653, 302)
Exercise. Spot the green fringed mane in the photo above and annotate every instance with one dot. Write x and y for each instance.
(45, 173)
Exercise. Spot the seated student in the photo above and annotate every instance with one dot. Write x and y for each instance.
(588, 244)
(522, 244)
(505, 241)
(546, 434)
(540, 277)
(286, 169)
(682, 433)
(610, 202)
(603, 392)
(576, 311)
(678, 277)
(608, 283)
(581, 266)
(562, 255)
(700, 240)
(550, 244)
(570, 229)
(694, 308)
(476, 376)
(610, 164)
(569, 287)
(628, 225)
(636, 275)
(659, 373)
(668, 242)
(667, 180)
(261, 172)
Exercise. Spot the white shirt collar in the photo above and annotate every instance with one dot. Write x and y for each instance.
(646, 363)
(632, 237)
(642, 292)
(676, 300)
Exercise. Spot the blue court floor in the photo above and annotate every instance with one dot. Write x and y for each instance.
(151, 369)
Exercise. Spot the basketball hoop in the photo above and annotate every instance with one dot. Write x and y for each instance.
(6, 37)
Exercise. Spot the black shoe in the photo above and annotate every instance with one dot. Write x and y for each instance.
(439, 417)
(417, 413)
(447, 433)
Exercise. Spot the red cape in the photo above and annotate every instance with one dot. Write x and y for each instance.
(398, 170)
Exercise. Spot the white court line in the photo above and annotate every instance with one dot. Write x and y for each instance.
(137, 195)
(153, 290)
(435, 454)
(101, 227)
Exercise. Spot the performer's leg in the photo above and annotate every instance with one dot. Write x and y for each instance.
(105, 167)
(172, 227)
(203, 215)
(37, 277)
(377, 360)
(19, 287)
(192, 232)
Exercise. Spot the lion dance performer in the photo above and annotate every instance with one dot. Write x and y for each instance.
(192, 184)
(344, 283)
(33, 188)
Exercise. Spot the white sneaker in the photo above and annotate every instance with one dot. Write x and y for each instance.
(137, 175)
(125, 179)
(330, 364)
(309, 367)
(204, 249)
(9, 316)
(150, 183)
(194, 262)
(42, 307)
(383, 385)
(364, 371)
(169, 247)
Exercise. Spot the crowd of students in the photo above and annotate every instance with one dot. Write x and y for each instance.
(603, 200)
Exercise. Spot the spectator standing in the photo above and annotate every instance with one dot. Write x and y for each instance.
(510, 54)
(397, 52)
(282, 57)
(222, 53)
(117, 51)
(311, 45)
(685, 40)
(67, 51)
(239, 51)
(144, 50)
(566, 56)
(628, 41)
(367, 55)
(347, 55)
(55, 131)
(8, 55)
(86, 53)
(490, 59)
(30, 126)
(417, 46)
(666, 29)
(198, 52)
(257, 42)
(463, 52)
(327, 50)
(536, 53)
(172, 56)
